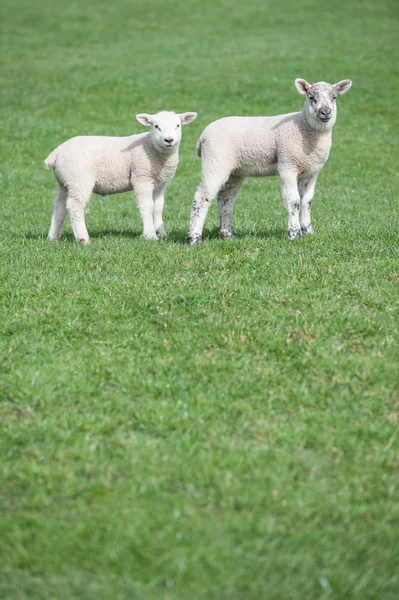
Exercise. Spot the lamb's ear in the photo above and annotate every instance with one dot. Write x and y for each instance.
(186, 118)
(342, 86)
(145, 119)
(302, 86)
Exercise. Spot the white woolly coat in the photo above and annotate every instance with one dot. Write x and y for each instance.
(109, 165)
(261, 146)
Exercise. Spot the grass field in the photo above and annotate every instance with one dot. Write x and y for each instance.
(208, 423)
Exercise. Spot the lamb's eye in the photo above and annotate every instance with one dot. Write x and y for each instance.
(334, 97)
(157, 127)
(312, 98)
(177, 126)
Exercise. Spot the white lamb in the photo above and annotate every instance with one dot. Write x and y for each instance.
(145, 163)
(294, 146)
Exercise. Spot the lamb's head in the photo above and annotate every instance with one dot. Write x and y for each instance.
(166, 127)
(320, 106)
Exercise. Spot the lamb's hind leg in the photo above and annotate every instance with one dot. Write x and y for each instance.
(226, 200)
(59, 214)
(207, 190)
(76, 204)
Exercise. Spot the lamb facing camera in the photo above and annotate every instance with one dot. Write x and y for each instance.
(294, 146)
(144, 163)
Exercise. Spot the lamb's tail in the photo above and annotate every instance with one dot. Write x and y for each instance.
(49, 163)
(198, 148)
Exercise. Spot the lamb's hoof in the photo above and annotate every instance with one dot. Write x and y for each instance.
(225, 234)
(294, 233)
(161, 233)
(151, 236)
(306, 230)
(193, 240)
(83, 241)
(53, 238)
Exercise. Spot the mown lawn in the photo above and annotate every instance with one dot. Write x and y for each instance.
(208, 423)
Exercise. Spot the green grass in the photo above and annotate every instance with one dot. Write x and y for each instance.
(208, 423)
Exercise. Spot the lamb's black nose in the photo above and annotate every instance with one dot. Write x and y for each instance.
(325, 110)
(168, 140)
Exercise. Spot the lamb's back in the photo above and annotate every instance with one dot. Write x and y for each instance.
(248, 145)
(104, 161)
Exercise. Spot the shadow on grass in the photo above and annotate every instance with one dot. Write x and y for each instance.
(178, 236)
(115, 233)
(275, 232)
(68, 236)
(213, 234)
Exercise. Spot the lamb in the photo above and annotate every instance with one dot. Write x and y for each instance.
(145, 163)
(294, 146)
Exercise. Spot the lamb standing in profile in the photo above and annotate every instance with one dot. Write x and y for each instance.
(294, 146)
(145, 163)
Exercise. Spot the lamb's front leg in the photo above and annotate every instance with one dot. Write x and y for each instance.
(159, 201)
(289, 191)
(306, 186)
(145, 203)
